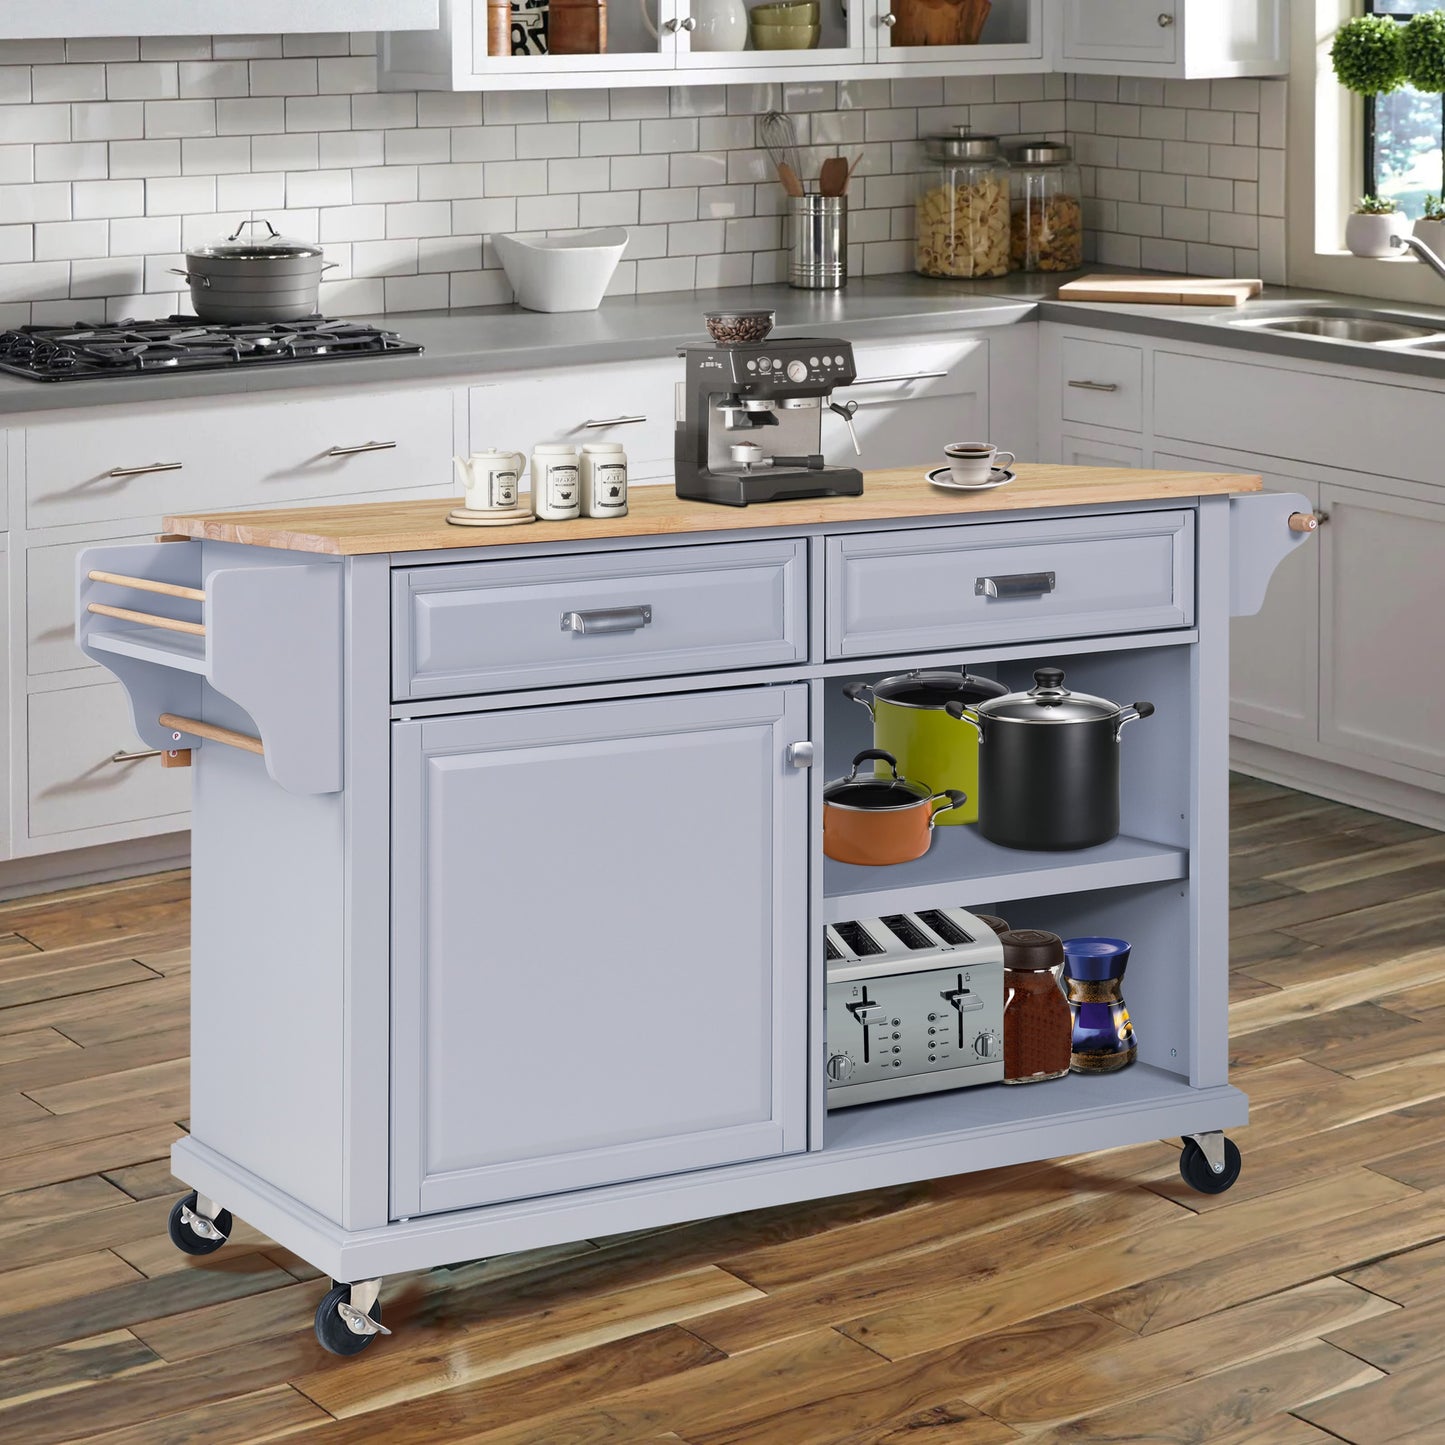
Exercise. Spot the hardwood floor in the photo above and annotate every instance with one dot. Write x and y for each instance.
(1089, 1299)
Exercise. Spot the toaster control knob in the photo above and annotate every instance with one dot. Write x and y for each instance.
(987, 1045)
(840, 1066)
(797, 371)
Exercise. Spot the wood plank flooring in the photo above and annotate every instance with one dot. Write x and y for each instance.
(1090, 1299)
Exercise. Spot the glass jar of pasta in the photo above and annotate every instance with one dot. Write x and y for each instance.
(961, 217)
(1047, 229)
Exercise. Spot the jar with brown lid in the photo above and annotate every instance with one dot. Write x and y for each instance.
(1037, 1022)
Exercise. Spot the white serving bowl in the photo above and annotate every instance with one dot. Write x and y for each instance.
(561, 273)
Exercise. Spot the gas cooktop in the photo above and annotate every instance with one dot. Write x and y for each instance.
(182, 343)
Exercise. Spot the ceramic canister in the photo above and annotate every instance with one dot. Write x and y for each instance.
(556, 482)
(604, 480)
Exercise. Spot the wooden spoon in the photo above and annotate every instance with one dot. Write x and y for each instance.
(833, 178)
(789, 178)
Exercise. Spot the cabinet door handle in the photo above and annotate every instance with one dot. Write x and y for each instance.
(800, 755)
(607, 619)
(1016, 584)
(1165, 20)
(890, 20)
(903, 376)
(361, 447)
(1096, 385)
(122, 756)
(141, 471)
(614, 421)
(687, 23)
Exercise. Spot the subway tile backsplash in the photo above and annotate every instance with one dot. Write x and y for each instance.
(115, 155)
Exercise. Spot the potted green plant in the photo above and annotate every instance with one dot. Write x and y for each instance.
(1375, 220)
(1431, 227)
(1368, 55)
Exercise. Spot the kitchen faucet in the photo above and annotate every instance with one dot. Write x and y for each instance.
(1410, 243)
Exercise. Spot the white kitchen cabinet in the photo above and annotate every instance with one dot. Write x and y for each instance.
(1186, 39)
(1084, 451)
(24, 20)
(1382, 692)
(667, 834)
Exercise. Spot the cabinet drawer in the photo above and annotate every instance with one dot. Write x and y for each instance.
(488, 626)
(74, 784)
(264, 453)
(632, 403)
(1102, 383)
(1074, 577)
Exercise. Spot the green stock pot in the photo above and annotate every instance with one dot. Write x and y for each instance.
(909, 721)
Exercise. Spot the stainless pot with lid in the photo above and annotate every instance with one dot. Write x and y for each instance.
(255, 278)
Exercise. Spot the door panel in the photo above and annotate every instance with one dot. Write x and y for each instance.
(1119, 30)
(600, 948)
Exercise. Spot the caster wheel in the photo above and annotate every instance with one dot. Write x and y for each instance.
(185, 1238)
(332, 1331)
(1194, 1168)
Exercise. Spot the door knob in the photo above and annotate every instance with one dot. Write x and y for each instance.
(687, 23)
(800, 755)
(890, 20)
(1165, 20)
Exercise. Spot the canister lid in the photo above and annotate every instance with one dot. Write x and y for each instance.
(993, 921)
(1031, 950)
(962, 145)
(1041, 153)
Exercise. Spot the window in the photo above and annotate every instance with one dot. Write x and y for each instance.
(1404, 131)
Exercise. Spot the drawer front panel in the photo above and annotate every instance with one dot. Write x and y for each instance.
(951, 587)
(73, 782)
(234, 456)
(1102, 382)
(501, 625)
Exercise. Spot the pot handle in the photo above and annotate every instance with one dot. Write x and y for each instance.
(963, 713)
(875, 755)
(860, 692)
(194, 280)
(951, 798)
(1133, 714)
(329, 265)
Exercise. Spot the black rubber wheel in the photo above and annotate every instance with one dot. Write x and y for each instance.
(332, 1331)
(1194, 1168)
(185, 1238)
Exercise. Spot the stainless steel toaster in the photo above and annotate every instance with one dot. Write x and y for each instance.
(914, 1005)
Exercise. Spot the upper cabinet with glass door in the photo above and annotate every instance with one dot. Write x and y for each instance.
(1184, 39)
(583, 44)
(30, 20)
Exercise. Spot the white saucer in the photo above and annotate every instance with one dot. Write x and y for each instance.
(943, 477)
(463, 517)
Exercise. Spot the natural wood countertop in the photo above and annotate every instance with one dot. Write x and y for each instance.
(364, 528)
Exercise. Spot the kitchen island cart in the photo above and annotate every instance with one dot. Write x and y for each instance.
(509, 892)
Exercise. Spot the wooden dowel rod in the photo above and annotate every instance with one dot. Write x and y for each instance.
(215, 734)
(145, 584)
(148, 619)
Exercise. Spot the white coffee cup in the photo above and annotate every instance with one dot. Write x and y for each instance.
(604, 480)
(972, 462)
(556, 482)
(492, 480)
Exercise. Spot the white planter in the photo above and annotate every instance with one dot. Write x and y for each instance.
(561, 273)
(1370, 235)
(1432, 233)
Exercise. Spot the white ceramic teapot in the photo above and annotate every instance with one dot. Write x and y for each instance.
(712, 24)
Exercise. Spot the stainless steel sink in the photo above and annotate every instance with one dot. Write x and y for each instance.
(1339, 323)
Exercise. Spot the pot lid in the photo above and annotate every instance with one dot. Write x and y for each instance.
(244, 245)
(936, 689)
(1041, 153)
(1031, 950)
(874, 794)
(1049, 701)
(962, 145)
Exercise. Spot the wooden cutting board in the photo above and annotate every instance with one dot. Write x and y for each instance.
(1161, 290)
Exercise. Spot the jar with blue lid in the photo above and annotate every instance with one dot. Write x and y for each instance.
(1103, 1033)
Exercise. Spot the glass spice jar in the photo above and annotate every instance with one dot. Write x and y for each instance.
(961, 214)
(1046, 231)
(1037, 1023)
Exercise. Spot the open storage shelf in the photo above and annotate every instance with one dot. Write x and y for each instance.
(180, 650)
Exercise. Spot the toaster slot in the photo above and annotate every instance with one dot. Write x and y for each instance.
(944, 926)
(908, 932)
(857, 938)
(830, 949)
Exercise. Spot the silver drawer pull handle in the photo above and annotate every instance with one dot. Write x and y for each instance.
(1096, 385)
(1017, 584)
(139, 755)
(615, 421)
(607, 619)
(904, 376)
(361, 447)
(141, 471)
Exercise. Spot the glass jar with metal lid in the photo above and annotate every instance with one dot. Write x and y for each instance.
(961, 215)
(1047, 230)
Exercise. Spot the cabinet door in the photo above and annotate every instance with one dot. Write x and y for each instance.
(599, 962)
(1138, 31)
(1382, 693)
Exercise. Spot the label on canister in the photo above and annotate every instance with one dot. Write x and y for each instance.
(562, 486)
(609, 486)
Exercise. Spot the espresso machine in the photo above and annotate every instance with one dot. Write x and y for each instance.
(750, 421)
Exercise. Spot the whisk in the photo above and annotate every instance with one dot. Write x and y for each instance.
(781, 143)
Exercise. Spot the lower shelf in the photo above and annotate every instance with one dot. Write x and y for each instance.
(971, 870)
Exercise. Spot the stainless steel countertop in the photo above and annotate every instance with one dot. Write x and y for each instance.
(483, 340)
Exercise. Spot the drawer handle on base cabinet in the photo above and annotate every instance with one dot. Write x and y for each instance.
(607, 619)
(361, 447)
(141, 471)
(1018, 584)
(122, 756)
(1096, 385)
(614, 421)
